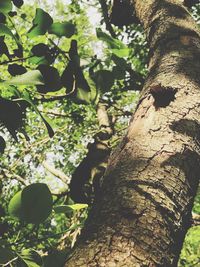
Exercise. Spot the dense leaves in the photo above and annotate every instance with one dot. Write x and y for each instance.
(32, 77)
(5, 6)
(66, 29)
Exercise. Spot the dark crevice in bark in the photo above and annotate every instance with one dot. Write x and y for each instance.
(162, 96)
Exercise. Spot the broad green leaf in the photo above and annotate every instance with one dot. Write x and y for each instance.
(41, 23)
(40, 50)
(104, 80)
(33, 77)
(6, 255)
(60, 29)
(31, 258)
(5, 6)
(26, 96)
(65, 208)
(16, 69)
(124, 52)
(78, 206)
(82, 97)
(120, 61)
(51, 78)
(15, 206)
(36, 202)
(111, 42)
(33, 204)
(4, 30)
(38, 60)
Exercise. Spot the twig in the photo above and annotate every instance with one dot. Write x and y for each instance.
(15, 60)
(11, 175)
(58, 173)
(9, 262)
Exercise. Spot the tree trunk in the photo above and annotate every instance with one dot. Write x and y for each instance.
(144, 209)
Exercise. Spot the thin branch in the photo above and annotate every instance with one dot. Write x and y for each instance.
(64, 53)
(15, 60)
(13, 176)
(10, 262)
(50, 99)
(58, 173)
(54, 113)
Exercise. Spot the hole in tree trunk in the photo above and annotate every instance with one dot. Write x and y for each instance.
(163, 96)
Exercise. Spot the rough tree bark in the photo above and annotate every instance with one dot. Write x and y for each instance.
(144, 209)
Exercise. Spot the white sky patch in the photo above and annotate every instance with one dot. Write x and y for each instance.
(93, 15)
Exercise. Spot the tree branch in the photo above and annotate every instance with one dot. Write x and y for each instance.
(58, 173)
(10, 175)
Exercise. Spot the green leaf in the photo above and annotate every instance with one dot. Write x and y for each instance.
(104, 79)
(40, 50)
(78, 206)
(66, 208)
(33, 77)
(111, 42)
(51, 78)
(4, 30)
(38, 60)
(37, 202)
(41, 23)
(6, 255)
(33, 204)
(16, 69)
(60, 29)
(26, 96)
(31, 258)
(81, 96)
(124, 52)
(14, 206)
(120, 61)
(5, 6)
